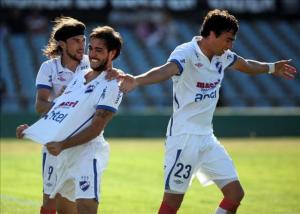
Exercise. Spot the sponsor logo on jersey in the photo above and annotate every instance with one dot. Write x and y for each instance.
(207, 85)
(199, 97)
(84, 185)
(68, 104)
(56, 116)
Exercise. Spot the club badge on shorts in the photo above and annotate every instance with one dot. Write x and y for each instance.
(84, 185)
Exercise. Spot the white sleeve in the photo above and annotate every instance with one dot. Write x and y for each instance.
(179, 57)
(229, 58)
(110, 97)
(44, 76)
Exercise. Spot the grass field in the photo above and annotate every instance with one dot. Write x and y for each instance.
(269, 170)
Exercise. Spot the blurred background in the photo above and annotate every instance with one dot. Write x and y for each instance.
(260, 105)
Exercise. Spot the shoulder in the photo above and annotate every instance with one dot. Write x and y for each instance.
(49, 63)
(228, 55)
(185, 46)
(47, 66)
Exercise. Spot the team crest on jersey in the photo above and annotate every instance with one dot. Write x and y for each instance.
(50, 78)
(182, 60)
(84, 185)
(219, 67)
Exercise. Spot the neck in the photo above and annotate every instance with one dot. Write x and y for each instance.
(69, 63)
(205, 48)
(92, 74)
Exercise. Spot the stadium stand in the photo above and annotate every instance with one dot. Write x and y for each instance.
(261, 40)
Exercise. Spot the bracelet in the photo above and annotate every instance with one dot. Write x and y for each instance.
(271, 68)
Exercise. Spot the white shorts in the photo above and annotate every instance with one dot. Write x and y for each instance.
(188, 156)
(49, 171)
(79, 171)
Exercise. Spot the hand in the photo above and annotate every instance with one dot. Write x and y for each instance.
(283, 69)
(20, 129)
(114, 73)
(128, 82)
(54, 148)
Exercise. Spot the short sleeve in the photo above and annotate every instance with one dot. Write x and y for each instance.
(229, 58)
(110, 97)
(44, 76)
(178, 56)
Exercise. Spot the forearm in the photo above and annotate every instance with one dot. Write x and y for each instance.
(157, 74)
(154, 75)
(255, 67)
(42, 106)
(82, 137)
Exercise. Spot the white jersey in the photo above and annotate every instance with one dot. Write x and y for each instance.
(196, 88)
(53, 76)
(75, 108)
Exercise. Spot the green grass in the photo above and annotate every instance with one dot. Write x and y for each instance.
(269, 170)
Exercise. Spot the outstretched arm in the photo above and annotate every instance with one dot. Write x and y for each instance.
(154, 75)
(100, 120)
(280, 68)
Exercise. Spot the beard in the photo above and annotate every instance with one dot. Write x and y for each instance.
(73, 56)
(101, 67)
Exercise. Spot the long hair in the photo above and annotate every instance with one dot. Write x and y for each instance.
(52, 49)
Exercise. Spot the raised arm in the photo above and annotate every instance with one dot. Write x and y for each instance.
(100, 120)
(280, 68)
(154, 75)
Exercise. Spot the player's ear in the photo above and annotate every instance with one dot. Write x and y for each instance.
(112, 54)
(61, 44)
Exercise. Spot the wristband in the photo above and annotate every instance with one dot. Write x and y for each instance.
(271, 68)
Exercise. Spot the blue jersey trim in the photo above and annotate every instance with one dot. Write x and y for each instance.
(171, 125)
(167, 185)
(81, 126)
(43, 166)
(95, 179)
(39, 86)
(178, 65)
(108, 108)
(233, 61)
(176, 100)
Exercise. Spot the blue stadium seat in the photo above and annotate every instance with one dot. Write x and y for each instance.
(10, 102)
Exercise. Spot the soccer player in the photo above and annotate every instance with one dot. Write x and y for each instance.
(65, 51)
(192, 150)
(76, 122)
